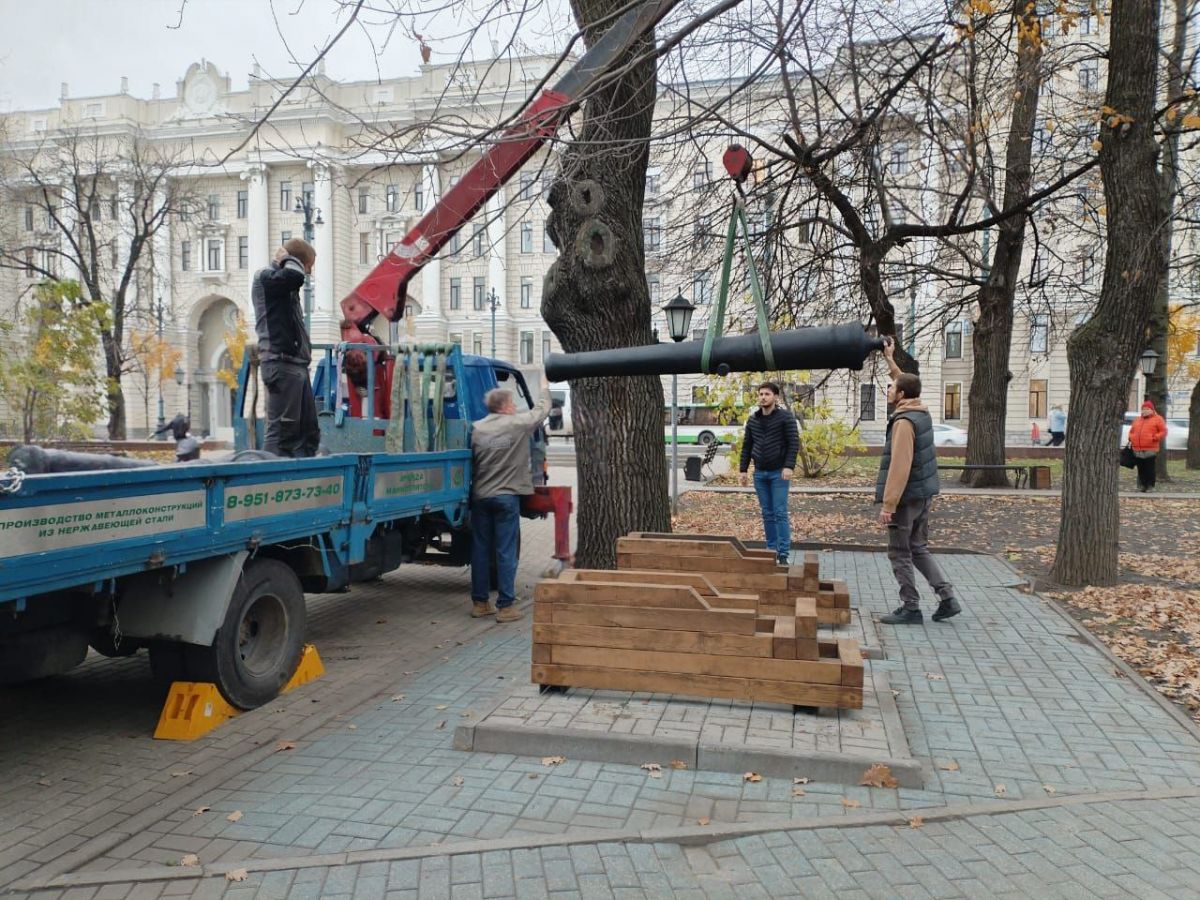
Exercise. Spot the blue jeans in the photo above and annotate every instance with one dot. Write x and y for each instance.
(495, 528)
(772, 493)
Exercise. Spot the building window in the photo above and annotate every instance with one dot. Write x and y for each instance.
(952, 405)
(1039, 333)
(185, 256)
(1087, 268)
(477, 293)
(306, 191)
(526, 348)
(653, 178)
(455, 242)
(30, 271)
(954, 335)
(1086, 24)
(866, 402)
(526, 293)
(698, 334)
(48, 259)
(243, 204)
(547, 347)
(526, 237)
(654, 288)
(93, 110)
(243, 252)
(1037, 398)
(456, 338)
(284, 237)
(285, 196)
(364, 247)
(477, 239)
(418, 195)
(456, 296)
(477, 343)
(364, 200)
(1042, 139)
(528, 186)
(214, 207)
(701, 288)
(215, 255)
(701, 174)
(652, 234)
(29, 218)
(112, 252)
(898, 159)
(547, 244)
(1089, 76)
(702, 231)
(393, 198)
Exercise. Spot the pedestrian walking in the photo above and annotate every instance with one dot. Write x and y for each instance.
(285, 351)
(906, 485)
(772, 442)
(501, 476)
(1145, 438)
(1058, 427)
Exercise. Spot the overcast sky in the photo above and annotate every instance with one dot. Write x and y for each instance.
(90, 44)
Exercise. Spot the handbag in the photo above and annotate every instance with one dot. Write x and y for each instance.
(1128, 460)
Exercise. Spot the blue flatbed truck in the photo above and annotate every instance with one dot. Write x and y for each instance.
(206, 564)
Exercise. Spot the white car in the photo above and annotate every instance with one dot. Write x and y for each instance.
(1177, 432)
(948, 435)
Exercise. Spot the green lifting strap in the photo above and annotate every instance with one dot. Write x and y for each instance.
(716, 323)
(394, 441)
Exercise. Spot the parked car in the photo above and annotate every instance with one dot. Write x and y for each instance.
(948, 435)
(1177, 432)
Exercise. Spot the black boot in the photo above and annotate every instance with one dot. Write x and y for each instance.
(903, 616)
(947, 608)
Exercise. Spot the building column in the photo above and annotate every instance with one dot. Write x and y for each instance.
(326, 318)
(433, 315)
(255, 177)
(497, 277)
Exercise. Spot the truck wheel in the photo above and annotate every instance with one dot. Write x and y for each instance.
(706, 438)
(258, 646)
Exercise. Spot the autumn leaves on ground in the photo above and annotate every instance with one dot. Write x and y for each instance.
(1151, 620)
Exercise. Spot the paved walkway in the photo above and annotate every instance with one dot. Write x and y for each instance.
(1050, 772)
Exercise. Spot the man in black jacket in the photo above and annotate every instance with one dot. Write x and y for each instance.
(772, 441)
(285, 352)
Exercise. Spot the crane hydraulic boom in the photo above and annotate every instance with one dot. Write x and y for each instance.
(383, 291)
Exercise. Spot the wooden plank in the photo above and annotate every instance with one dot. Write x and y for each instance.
(672, 545)
(540, 653)
(714, 570)
(749, 689)
(783, 641)
(683, 536)
(833, 616)
(826, 671)
(852, 663)
(543, 611)
(666, 551)
(695, 580)
(712, 642)
(659, 596)
(712, 621)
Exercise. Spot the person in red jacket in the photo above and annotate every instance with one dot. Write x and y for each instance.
(1145, 437)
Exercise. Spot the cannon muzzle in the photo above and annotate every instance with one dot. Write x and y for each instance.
(824, 347)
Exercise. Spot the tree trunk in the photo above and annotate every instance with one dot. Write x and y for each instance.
(1102, 353)
(991, 337)
(116, 395)
(1193, 444)
(595, 298)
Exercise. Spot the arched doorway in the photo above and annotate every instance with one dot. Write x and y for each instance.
(217, 321)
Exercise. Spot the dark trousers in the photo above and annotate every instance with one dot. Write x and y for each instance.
(1056, 438)
(908, 546)
(495, 529)
(1146, 474)
(292, 428)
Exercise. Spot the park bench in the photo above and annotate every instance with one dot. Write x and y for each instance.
(1020, 472)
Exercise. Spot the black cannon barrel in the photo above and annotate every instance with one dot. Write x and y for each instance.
(34, 460)
(823, 347)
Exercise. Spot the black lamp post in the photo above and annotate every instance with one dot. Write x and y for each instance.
(493, 305)
(161, 425)
(678, 313)
(1148, 362)
(312, 216)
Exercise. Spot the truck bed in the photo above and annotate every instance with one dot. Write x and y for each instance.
(75, 530)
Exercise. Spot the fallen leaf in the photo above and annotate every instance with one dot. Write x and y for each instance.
(235, 816)
(396, 698)
(201, 810)
(797, 792)
(44, 782)
(951, 766)
(532, 776)
(181, 773)
(236, 875)
(916, 821)
(934, 676)
(442, 706)
(352, 727)
(678, 764)
(1001, 790)
(280, 746)
(879, 776)
(801, 780)
(190, 860)
(441, 725)
(457, 781)
(380, 621)
(652, 767)
(553, 760)
(850, 804)
(752, 777)
(703, 820)
(1050, 789)
(465, 714)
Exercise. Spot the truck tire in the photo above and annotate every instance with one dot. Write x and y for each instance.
(258, 646)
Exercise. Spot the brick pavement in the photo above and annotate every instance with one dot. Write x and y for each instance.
(1006, 695)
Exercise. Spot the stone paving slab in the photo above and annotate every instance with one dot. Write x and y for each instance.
(831, 745)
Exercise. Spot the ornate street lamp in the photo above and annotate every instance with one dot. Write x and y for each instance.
(312, 216)
(678, 313)
(1148, 362)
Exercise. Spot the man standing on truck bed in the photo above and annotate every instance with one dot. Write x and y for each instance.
(285, 352)
(501, 476)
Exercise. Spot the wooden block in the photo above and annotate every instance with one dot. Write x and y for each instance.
(695, 580)
(619, 593)
(749, 689)
(543, 611)
(833, 616)
(783, 642)
(540, 653)
(811, 584)
(649, 662)
(806, 648)
(852, 663)
(812, 564)
(805, 613)
(609, 616)
(702, 555)
(711, 642)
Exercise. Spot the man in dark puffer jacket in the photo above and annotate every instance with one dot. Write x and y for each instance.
(772, 441)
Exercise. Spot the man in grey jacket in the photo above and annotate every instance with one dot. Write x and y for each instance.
(501, 475)
(285, 352)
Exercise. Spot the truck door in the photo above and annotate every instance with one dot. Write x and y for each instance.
(512, 380)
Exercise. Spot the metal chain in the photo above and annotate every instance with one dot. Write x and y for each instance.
(11, 480)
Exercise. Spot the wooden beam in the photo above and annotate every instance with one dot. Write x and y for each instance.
(852, 663)
(727, 621)
(712, 642)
